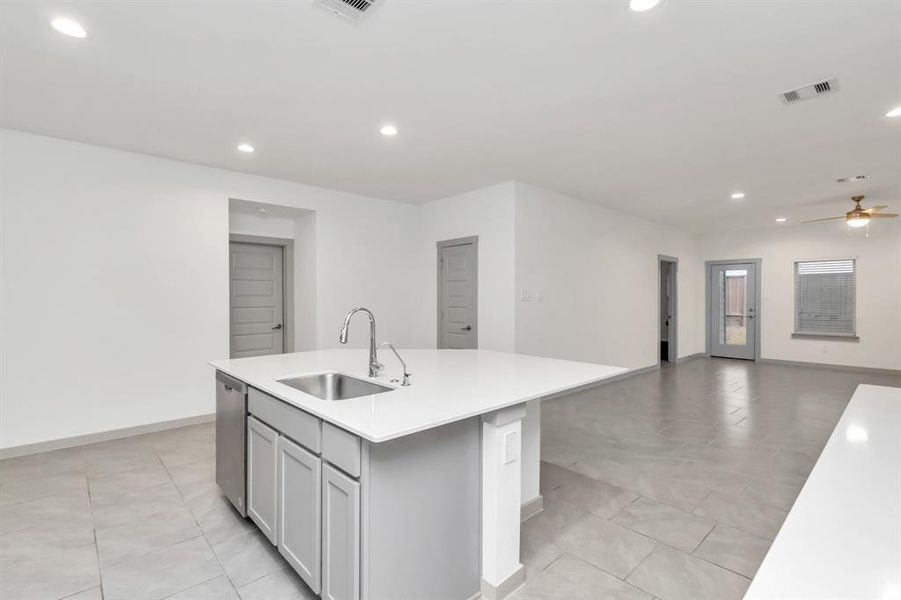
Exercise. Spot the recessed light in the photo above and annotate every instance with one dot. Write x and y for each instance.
(69, 27)
(853, 178)
(246, 148)
(781, 219)
(738, 195)
(895, 112)
(388, 130)
(643, 5)
(262, 210)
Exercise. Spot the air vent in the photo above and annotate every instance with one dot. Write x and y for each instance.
(351, 10)
(809, 91)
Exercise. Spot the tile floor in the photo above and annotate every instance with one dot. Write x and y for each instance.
(132, 519)
(673, 484)
(668, 484)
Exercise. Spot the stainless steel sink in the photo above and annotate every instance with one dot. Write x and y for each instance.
(334, 386)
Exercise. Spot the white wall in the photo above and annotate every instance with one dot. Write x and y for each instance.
(114, 281)
(243, 222)
(878, 289)
(597, 270)
(305, 282)
(488, 214)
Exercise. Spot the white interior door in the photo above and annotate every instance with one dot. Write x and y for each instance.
(733, 310)
(256, 299)
(457, 295)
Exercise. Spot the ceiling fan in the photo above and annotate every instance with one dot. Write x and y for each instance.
(859, 217)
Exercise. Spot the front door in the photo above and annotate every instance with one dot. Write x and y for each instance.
(457, 298)
(733, 310)
(256, 299)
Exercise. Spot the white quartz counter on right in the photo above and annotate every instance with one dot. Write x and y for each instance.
(842, 537)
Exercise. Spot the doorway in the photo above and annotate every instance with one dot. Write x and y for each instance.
(458, 310)
(733, 318)
(260, 298)
(667, 311)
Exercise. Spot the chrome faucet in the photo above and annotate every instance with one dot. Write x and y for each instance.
(374, 364)
(407, 374)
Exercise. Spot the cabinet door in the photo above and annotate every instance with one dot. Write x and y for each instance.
(262, 461)
(340, 535)
(299, 514)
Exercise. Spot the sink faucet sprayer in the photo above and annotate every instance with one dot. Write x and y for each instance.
(406, 380)
(374, 364)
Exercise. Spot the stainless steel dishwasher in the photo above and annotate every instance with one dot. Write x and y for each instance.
(231, 423)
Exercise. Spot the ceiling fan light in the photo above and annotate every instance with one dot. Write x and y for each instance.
(643, 5)
(858, 221)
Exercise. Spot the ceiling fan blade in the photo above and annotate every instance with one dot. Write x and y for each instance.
(874, 209)
(841, 218)
(883, 215)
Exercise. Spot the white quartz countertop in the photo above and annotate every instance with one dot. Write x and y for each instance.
(842, 537)
(447, 385)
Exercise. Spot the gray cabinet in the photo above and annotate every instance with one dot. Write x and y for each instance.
(338, 508)
(262, 459)
(342, 449)
(299, 497)
(340, 535)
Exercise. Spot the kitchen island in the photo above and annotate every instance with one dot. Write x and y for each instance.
(842, 537)
(414, 492)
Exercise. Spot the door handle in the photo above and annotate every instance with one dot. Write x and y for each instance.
(467, 328)
(279, 326)
(750, 316)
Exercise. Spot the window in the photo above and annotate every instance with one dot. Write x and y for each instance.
(825, 297)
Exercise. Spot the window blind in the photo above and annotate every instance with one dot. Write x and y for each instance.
(825, 297)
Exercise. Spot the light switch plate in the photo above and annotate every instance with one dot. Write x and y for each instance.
(525, 295)
(511, 447)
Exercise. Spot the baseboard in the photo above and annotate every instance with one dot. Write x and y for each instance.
(102, 436)
(691, 357)
(816, 365)
(506, 587)
(530, 508)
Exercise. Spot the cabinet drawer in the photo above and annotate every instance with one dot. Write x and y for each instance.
(303, 428)
(341, 448)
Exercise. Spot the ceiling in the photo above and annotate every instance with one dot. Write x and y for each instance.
(663, 113)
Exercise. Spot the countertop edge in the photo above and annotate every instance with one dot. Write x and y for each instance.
(828, 526)
(615, 371)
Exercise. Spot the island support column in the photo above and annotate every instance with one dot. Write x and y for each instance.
(502, 572)
(532, 502)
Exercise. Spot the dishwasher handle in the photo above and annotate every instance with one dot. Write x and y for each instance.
(230, 383)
